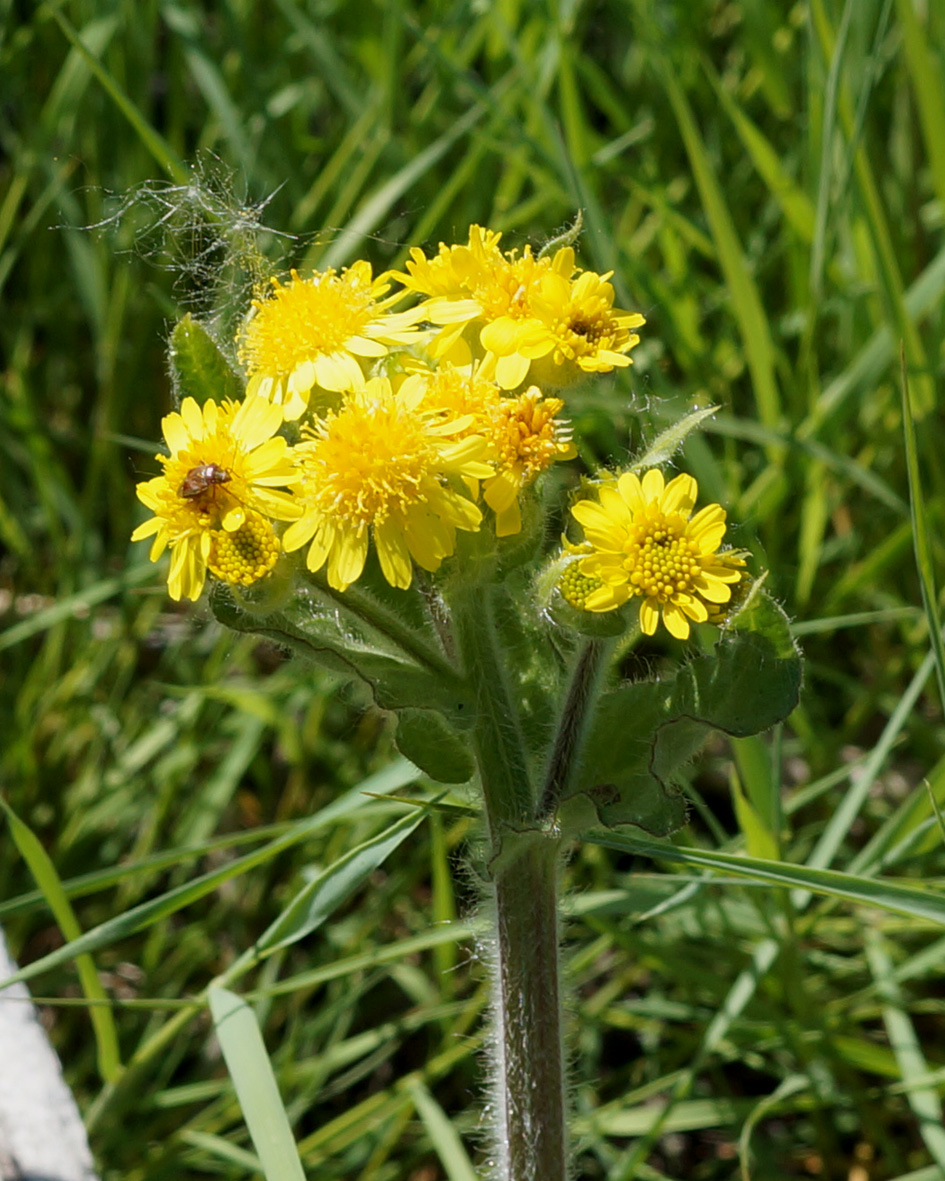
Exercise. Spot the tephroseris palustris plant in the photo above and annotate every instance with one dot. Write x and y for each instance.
(359, 474)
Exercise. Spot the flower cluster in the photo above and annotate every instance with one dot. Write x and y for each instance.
(363, 425)
(531, 316)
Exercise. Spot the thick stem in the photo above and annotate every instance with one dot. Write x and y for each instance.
(527, 1065)
(497, 735)
(529, 1083)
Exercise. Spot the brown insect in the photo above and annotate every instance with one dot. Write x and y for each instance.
(201, 479)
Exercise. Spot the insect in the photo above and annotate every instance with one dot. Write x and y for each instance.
(201, 479)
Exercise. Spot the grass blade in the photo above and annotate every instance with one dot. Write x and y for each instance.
(248, 1063)
(913, 901)
(920, 533)
(47, 879)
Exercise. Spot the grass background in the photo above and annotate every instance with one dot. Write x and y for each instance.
(767, 181)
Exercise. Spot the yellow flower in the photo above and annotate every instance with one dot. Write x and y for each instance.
(531, 308)
(381, 465)
(524, 436)
(582, 326)
(316, 332)
(454, 273)
(646, 543)
(213, 502)
(733, 559)
(455, 392)
(528, 439)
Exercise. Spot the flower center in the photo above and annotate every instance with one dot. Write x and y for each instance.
(528, 434)
(512, 282)
(661, 560)
(245, 556)
(304, 318)
(367, 462)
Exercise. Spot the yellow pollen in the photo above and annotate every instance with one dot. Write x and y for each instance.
(303, 318)
(660, 560)
(245, 556)
(367, 462)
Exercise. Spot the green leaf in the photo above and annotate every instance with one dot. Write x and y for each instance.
(199, 368)
(668, 442)
(248, 1063)
(646, 731)
(442, 1133)
(325, 893)
(921, 534)
(48, 880)
(915, 901)
(424, 737)
(360, 637)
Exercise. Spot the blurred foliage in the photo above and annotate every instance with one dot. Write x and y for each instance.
(767, 182)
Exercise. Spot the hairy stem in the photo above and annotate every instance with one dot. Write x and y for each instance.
(529, 1075)
(527, 1068)
(572, 725)
(497, 736)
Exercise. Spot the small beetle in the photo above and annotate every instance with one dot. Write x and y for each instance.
(201, 479)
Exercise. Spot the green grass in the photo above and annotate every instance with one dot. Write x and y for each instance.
(767, 181)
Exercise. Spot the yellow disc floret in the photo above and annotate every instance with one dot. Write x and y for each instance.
(245, 556)
(576, 587)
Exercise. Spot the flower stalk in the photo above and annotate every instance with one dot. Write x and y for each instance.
(529, 1076)
(528, 1108)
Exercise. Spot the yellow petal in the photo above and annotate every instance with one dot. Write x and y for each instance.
(193, 419)
(500, 336)
(347, 558)
(631, 490)
(299, 532)
(175, 432)
(152, 525)
(652, 485)
(680, 495)
(338, 372)
(511, 371)
(393, 555)
(676, 623)
(508, 522)
(650, 617)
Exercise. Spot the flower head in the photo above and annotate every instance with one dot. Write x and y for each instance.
(574, 586)
(525, 438)
(219, 490)
(528, 438)
(645, 543)
(529, 307)
(583, 327)
(381, 466)
(314, 332)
